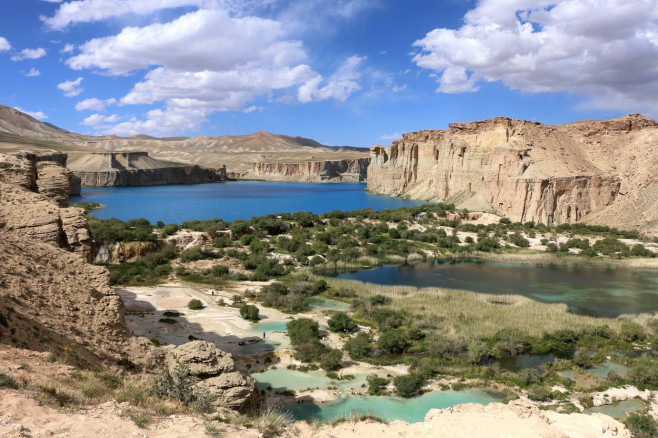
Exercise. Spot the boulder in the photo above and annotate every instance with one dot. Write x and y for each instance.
(217, 375)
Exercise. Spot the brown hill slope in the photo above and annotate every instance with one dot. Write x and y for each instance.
(237, 152)
(592, 171)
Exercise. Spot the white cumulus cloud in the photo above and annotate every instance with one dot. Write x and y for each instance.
(68, 48)
(202, 40)
(339, 86)
(71, 88)
(100, 121)
(605, 50)
(33, 73)
(4, 44)
(29, 54)
(84, 11)
(94, 104)
(162, 122)
(39, 115)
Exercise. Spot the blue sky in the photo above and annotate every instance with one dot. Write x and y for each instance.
(343, 72)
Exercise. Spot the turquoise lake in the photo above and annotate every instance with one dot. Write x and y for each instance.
(231, 200)
(390, 408)
(588, 290)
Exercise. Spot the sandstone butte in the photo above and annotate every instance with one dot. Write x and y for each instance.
(599, 172)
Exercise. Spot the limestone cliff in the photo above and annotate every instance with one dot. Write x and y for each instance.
(111, 169)
(34, 198)
(600, 171)
(348, 170)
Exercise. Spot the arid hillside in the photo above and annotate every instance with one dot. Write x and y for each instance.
(602, 172)
(238, 153)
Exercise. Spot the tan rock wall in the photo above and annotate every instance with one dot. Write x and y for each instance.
(350, 170)
(523, 170)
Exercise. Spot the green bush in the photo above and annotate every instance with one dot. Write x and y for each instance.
(641, 425)
(359, 346)
(631, 331)
(331, 360)
(644, 372)
(195, 304)
(539, 393)
(375, 383)
(341, 322)
(247, 311)
(302, 331)
(407, 385)
(477, 352)
(529, 376)
(393, 341)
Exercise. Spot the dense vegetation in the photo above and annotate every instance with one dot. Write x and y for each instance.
(458, 334)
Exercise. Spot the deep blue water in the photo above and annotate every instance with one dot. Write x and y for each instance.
(231, 200)
(589, 290)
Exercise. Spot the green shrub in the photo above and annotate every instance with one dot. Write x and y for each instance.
(641, 425)
(529, 376)
(477, 352)
(341, 322)
(195, 304)
(302, 331)
(375, 383)
(539, 393)
(631, 331)
(359, 346)
(331, 360)
(393, 341)
(250, 312)
(7, 381)
(407, 385)
(644, 372)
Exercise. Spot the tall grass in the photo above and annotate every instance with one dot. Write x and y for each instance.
(477, 315)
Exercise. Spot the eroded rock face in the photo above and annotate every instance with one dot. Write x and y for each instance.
(34, 198)
(111, 169)
(528, 171)
(349, 170)
(52, 300)
(217, 373)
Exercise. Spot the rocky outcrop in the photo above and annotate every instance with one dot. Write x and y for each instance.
(52, 300)
(121, 252)
(33, 190)
(41, 172)
(528, 171)
(349, 170)
(113, 169)
(217, 375)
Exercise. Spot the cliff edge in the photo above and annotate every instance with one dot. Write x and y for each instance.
(110, 169)
(592, 171)
(348, 170)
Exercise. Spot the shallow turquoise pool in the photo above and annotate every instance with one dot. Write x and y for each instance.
(281, 379)
(390, 408)
(620, 410)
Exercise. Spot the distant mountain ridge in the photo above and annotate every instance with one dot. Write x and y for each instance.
(17, 123)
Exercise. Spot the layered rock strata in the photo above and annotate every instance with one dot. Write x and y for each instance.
(349, 170)
(112, 169)
(34, 195)
(586, 171)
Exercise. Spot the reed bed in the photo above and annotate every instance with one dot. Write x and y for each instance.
(477, 315)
